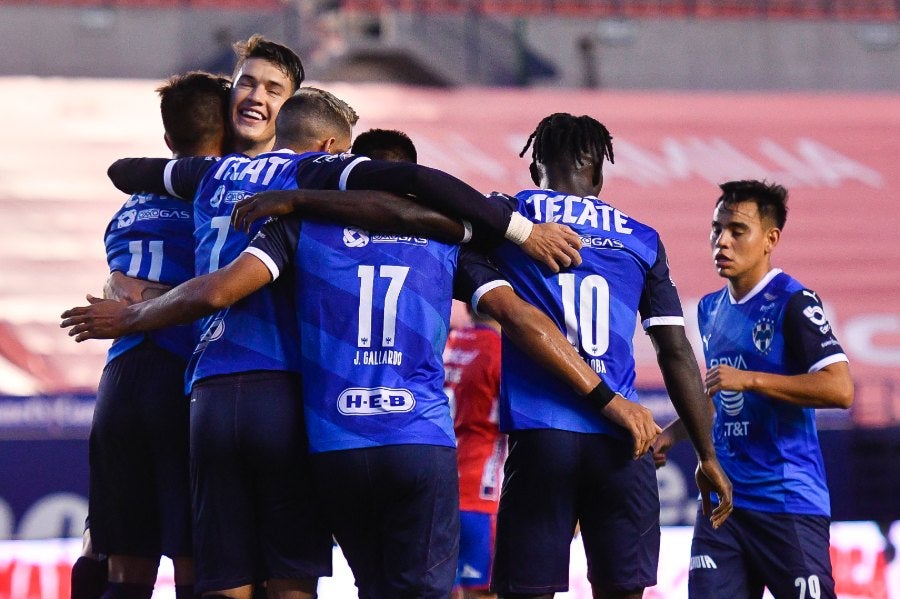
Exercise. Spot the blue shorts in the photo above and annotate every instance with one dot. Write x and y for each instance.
(140, 501)
(788, 553)
(476, 542)
(554, 479)
(255, 513)
(394, 511)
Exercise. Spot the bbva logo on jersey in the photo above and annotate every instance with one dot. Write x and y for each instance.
(358, 401)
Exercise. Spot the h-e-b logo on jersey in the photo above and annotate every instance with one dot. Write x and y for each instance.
(357, 401)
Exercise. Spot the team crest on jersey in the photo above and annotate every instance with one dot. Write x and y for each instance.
(355, 238)
(126, 219)
(763, 333)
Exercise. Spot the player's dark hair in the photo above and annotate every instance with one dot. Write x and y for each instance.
(194, 108)
(281, 56)
(311, 114)
(385, 144)
(565, 139)
(770, 199)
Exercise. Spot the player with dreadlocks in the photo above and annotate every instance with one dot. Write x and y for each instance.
(567, 461)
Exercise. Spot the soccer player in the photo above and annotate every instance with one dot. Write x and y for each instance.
(385, 144)
(772, 359)
(472, 382)
(139, 492)
(567, 462)
(265, 76)
(324, 305)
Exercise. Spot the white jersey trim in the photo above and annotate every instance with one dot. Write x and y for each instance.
(757, 288)
(676, 321)
(832, 359)
(345, 174)
(476, 297)
(167, 179)
(265, 259)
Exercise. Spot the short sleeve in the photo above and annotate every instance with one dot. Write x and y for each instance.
(808, 336)
(276, 243)
(659, 303)
(475, 276)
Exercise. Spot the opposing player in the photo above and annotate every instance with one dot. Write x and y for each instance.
(567, 462)
(472, 382)
(772, 359)
(139, 492)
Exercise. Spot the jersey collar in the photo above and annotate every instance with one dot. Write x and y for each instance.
(756, 289)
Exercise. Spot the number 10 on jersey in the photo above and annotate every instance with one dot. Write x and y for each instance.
(586, 312)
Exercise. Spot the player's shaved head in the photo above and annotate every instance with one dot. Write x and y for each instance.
(311, 116)
(385, 144)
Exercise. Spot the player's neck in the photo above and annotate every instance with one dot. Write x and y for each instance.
(252, 149)
(743, 284)
(572, 185)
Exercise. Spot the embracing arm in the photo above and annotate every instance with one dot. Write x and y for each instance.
(130, 290)
(373, 210)
(108, 319)
(533, 332)
(134, 175)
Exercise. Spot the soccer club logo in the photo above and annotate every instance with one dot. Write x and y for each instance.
(763, 332)
(126, 219)
(355, 238)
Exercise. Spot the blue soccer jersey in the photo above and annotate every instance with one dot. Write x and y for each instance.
(258, 332)
(151, 238)
(769, 448)
(623, 273)
(374, 315)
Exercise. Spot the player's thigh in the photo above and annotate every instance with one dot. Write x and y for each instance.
(537, 513)
(791, 553)
(293, 537)
(421, 521)
(224, 518)
(476, 542)
(125, 451)
(347, 483)
(618, 500)
(719, 566)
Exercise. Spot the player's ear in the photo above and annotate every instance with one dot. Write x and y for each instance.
(773, 236)
(328, 145)
(168, 142)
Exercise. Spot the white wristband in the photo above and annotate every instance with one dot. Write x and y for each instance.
(467, 232)
(519, 228)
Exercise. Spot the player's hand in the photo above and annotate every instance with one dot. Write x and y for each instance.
(127, 289)
(102, 319)
(710, 477)
(262, 205)
(723, 377)
(554, 245)
(636, 419)
(661, 447)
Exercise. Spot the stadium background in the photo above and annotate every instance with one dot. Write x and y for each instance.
(802, 92)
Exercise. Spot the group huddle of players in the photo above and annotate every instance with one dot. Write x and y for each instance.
(298, 291)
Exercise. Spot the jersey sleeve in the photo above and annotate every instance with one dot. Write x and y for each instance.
(276, 243)
(475, 276)
(433, 188)
(659, 303)
(808, 336)
(179, 178)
